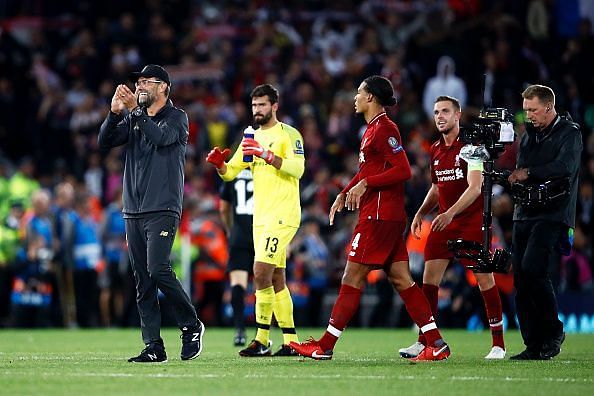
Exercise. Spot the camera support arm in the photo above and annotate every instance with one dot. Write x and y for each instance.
(481, 254)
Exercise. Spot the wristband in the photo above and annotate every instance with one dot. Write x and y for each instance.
(268, 156)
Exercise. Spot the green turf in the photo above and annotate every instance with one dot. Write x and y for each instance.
(93, 362)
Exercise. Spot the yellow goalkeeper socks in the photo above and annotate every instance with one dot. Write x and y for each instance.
(283, 312)
(264, 302)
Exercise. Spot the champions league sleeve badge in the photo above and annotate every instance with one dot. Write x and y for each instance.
(298, 147)
(392, 142)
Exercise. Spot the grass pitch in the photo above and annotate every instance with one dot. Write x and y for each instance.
(366, 362)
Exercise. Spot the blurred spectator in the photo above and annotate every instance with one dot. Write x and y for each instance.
(63, 220)
(22, 184)
(312, 253)
(576, 272)
(33, 283)
(88, 261)
(116, 282)
(208, 235)
(445, 82)
(10, 241)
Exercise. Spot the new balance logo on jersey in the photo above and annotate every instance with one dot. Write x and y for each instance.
(164, 233)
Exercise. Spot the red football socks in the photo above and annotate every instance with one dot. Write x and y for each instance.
(345, 307)
(431, 293)
(420, 312)
(494, 314)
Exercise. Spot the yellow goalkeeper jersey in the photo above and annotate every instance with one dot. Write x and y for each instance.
(276, 191)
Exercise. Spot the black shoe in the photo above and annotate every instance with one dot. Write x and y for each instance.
(256, 349)
(191, 341)
(285, 350)
(239, 338)
(528, 354)
(153, 353)
(552, 348)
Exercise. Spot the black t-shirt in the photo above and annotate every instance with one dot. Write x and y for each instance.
(240, 193)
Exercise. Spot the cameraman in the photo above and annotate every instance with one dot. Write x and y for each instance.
(549, 150)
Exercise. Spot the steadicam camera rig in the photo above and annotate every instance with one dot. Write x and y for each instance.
(486, 139)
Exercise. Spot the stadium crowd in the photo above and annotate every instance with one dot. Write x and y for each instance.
(63, 258)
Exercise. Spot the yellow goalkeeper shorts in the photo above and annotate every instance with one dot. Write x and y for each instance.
(270, 244)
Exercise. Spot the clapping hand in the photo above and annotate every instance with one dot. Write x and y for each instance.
(218, 157)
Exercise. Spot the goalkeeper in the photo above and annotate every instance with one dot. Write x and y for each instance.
(277, 165)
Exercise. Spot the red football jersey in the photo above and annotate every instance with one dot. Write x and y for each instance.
(449, 173)
(383, 162)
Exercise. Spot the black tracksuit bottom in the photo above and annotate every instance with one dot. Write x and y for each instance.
(150, 238)
(534, 258)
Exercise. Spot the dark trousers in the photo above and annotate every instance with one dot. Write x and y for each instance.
(534, 259)
(150, 239)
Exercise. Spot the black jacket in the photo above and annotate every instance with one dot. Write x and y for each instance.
(550, 154)
(155, 158)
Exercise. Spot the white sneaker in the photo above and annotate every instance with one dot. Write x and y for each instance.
(496, 353)
(414, 350)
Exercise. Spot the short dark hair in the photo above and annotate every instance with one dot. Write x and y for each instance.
(446, 98)
(382, 89)
(265, 90)
(542, 92)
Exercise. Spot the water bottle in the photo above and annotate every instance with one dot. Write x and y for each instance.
(248, 133)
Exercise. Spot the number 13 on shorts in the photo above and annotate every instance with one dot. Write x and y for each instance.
(270, 244)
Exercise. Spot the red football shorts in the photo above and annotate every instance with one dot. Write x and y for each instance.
(437, 241)
(378, 242)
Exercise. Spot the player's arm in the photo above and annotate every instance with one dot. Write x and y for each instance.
(472, 192)
(351, 184)
(429, 203)
(227, 170)
(345, 198)
(292, 161)
(340, 201)
(399, 172)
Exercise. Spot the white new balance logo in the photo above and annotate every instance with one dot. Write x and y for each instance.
(195, 336)
(152, 356)
(164, 233)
